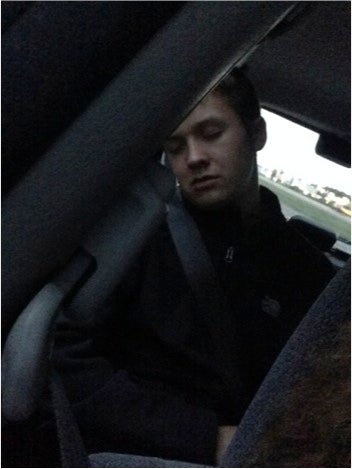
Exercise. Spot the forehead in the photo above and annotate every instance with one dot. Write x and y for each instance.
(214, 107)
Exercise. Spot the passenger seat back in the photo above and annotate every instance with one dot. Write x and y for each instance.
(300, 415)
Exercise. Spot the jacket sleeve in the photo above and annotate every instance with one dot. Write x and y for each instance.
(117, 412)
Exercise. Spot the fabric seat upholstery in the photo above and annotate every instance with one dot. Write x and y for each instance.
(128, 460)
(306, 391)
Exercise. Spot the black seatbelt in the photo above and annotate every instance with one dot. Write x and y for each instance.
(204, 284)
(72, 449)
(194, 257)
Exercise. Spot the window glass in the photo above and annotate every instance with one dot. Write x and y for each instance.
(305, 183)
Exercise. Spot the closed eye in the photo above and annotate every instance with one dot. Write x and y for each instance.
(210, 129)
(212, 134)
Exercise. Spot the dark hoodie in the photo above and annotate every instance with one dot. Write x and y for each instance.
(146, 379)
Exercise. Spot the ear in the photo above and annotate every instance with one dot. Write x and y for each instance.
(259, 133)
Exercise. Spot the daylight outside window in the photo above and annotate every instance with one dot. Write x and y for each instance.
(305, 183)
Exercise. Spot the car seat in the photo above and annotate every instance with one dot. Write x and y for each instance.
(322, 238)
(301, 360)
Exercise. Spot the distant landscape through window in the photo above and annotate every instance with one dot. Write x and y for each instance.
(305, 183)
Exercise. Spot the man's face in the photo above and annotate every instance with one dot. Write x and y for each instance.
(212, 156)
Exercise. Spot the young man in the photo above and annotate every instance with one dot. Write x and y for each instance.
(156, 376)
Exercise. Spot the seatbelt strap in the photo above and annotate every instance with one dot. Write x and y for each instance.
(205, 286)
(195, 259)
(72, 449)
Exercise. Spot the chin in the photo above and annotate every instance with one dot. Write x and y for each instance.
(209, 202)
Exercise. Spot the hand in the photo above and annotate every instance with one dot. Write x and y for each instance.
(225, 434)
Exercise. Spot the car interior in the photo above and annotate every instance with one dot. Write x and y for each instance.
(90, 91)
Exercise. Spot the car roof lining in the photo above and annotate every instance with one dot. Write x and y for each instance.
(295, 72)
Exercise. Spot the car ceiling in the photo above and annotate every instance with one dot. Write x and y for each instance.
(304, 71)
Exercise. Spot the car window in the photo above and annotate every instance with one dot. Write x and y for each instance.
(306, 183)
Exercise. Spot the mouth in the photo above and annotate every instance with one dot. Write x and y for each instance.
(204, 183)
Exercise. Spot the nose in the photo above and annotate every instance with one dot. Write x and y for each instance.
(197, 155)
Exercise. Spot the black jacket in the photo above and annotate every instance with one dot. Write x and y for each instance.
(145, 378)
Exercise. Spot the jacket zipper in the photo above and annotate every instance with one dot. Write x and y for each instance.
(227, 259)
(229, 255)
